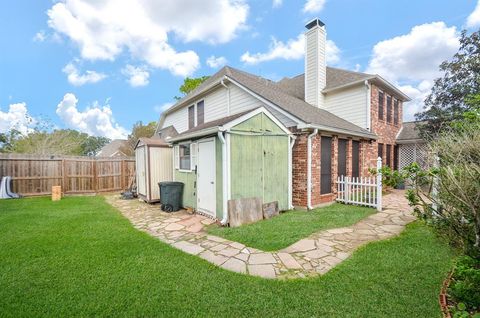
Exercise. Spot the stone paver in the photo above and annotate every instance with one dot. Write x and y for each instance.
(265, 271)
(235, 265)
(314, 255)
(262, 258)
(289, 261)
(188, 247)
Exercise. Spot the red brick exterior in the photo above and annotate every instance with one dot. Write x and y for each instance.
(386, 133)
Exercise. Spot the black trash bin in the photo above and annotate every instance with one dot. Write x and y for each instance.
(170, 195)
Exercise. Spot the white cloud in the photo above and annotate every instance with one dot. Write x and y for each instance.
(75, 78)
(294, 49)
(161, 108)
(417, 93)
(96, 120)
(416, 55)
(473, 19)
(216, 62)
(40, 36)
(104, 29)
(16, 117)
(413, 60)
(313, 6)
(277, 3)
(137, 76)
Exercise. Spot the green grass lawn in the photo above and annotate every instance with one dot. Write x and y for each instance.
(289, 227)
(80, 257)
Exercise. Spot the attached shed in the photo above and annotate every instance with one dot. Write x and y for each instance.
(154, 164)
(247, 155)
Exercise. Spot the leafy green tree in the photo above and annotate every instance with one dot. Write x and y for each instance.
(7, 140)
(57, 142)
(448, 98)
(189, 84)
(139, 130)
(92, 145)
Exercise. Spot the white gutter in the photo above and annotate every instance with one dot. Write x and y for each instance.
(199, 133)
(224, 220)
(369, 105)
(228, 96)
(309, 168)
(291, 142)
(338, 131)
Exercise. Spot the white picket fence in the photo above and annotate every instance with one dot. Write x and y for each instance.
(365, 191)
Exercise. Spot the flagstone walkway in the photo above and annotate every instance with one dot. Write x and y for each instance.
(311, 256)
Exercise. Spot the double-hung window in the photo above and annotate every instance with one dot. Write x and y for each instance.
(381, 100)
(200, 112)
(191, 117)
(185, 156)
(196, 114)
(395, 112)
(389, 109)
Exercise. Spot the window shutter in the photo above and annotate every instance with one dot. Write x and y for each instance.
(176, 157)
(193, 155)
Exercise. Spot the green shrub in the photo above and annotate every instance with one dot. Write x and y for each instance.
(465, 285)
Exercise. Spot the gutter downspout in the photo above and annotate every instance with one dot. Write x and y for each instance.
(291, 141)
(228, 96)
(309, 168)
(369, 106)
(224, 220)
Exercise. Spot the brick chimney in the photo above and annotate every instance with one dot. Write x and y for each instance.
(315, 63)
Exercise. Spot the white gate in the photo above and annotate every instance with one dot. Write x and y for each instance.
(366, 191)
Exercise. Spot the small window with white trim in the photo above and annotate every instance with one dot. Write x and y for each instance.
(184, 157)
(193, 156)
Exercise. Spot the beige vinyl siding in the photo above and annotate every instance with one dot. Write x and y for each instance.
(216, 104)
(178, 119)
(349, 104)
(241, 101)
(216, 107)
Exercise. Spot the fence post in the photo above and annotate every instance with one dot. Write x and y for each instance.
(64, 177)
(435, 187)
(379, 184)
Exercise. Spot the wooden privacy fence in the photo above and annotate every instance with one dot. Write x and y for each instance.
(35, 175)
(366, 191)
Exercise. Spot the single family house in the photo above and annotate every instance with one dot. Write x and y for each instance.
(240, 135)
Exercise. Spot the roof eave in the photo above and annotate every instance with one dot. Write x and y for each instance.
(338, 131)
(405, 97)
(336, 88)
(410, 141)
(195, 134)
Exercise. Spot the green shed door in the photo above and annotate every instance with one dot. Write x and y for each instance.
(259, 164)
(275, 170)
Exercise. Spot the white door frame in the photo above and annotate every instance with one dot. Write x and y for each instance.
(211, 139)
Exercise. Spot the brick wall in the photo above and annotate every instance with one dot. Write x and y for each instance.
(299, 171)
(385, 131)
(299, 168)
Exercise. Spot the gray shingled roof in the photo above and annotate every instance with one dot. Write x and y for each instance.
(163, 133)
(409, 132)
(297, 107)
(335, 78)
(286, 96)
(112, 147)
(211, 124)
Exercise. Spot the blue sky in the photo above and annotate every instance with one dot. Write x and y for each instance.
(99, 68)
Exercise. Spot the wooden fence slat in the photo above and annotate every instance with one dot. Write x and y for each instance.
(36, 175)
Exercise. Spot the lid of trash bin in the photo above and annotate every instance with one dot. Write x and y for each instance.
(170, 183)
